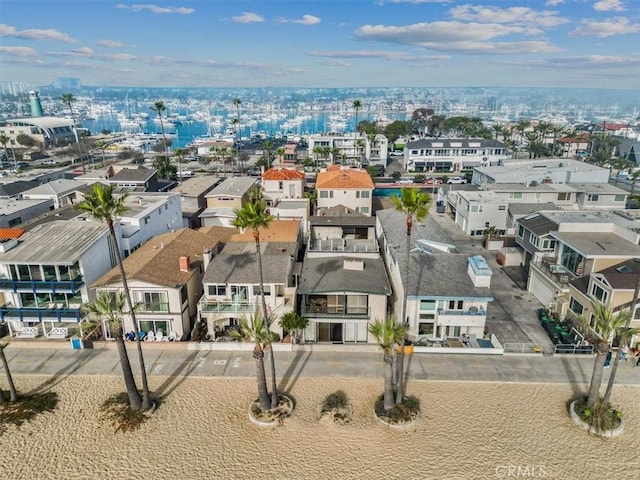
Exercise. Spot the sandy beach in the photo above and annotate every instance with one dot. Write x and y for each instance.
(201, 430)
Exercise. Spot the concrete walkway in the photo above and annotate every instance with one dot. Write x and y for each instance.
(292, 365)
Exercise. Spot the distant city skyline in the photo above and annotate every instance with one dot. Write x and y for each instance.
(346, 43)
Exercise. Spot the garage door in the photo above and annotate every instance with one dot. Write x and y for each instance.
(542, 289)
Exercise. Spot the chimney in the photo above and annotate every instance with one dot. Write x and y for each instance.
(184, 264)
(206, 257)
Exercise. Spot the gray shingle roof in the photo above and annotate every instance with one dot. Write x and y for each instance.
(136, 175)
(539, 224)
(243, 268)
(394, 226)
(341, 215)
(321, 275)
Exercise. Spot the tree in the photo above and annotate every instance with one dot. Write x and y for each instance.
(236, 103)
(165, 168)
(280, 154)
(397, 129)
(357, 105)
(415, 206)
(13, 393)
(180, 153)
(387, 333)
(255, 329)
(606, 326)
(102, 146)
(268, 145)
(25, 140)
(620, 164)
(633, 178)
(488, 234)
(103, 206)
(69, 99)
(159, 107)
(254, 216)
(110, 308)
(294, 323)
(4, 140)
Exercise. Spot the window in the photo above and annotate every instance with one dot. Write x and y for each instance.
(477, 208)
(534, 240)
(425, 329)
(515, 195)
(218, 290)
(280, 185)
(619, 198)
(363, 209)
(593, 197)
(575, 306)
(267, 290)
(153, 302)
(521, 231)
(502, 208)
(154, 326)
(324, 194)
(364, 194)
(548, 244)
(428, 305)
(598, 292)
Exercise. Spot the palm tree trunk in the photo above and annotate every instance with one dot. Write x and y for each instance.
(388, 381)
(135, 400)
(263, 394)
(146, 399)
(272, 360)
(403, 320)
(596, 377)
(164, 138)
(75, 131)
(12, 388)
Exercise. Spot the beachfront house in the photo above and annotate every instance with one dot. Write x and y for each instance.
(232, 278)
(340, 149)
(613, 286)
(344, 186)
(193, 193)
(165, 281)
(448, 292)
(46, 273)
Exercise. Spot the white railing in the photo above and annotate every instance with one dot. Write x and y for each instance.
(523, 348)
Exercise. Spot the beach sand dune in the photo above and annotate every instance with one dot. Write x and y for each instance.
(467, 431)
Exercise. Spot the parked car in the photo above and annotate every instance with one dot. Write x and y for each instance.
(457, 180)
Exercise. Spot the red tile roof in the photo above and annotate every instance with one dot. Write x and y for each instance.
(342, 177)
(9, 233)
(283, 174)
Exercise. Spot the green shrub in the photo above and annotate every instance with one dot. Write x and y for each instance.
(601, 416)
(333, 401)
(398, 414)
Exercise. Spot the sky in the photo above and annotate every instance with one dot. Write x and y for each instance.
(330, 43)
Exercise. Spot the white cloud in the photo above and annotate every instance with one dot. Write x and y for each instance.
(83, 51)
(19, 51)
(156, 8)
(511, 15)
(416, 2)
(110, 44)
(384, 54)
(553, 3)
(456, 37)
(609, 6)
(335, 63)
(307, 20)
(606, 28)
(248, 17)
(35, 34)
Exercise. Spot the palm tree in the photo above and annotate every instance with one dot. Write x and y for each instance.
(255, 329)
(12, 388)
(606, 326)
(387, 333)
(102, 146)
(633, 178)
(159, 107)
(110, 308)
(414, 205)
(280, 154)
(69, 99)
(4, 140)
(489, 233)
(620, 164)
(268, 145)
(357, 105)
(102, 205)
(180, 153)
(255, 216)
(236, 103)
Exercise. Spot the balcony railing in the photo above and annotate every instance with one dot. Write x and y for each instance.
(470, 311)
(226, 306)
(34, 286)
(343, 245)
(152, 307)
(314, 311)
(556, 272)
(41, 314)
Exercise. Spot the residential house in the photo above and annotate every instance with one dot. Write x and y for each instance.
(62, 192)
(343, 282)
(447, 292)
(452, 154)
(46, 275)
(232, 278)
(165, 281)
(344, 186)
(573, 147)
(193, 193)
(534, 172)
(614, 286)
(225, 198)
(563, 246)
(135, 180)
(279, 183)
(14, 189)
(341, 149)
(14, 211)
